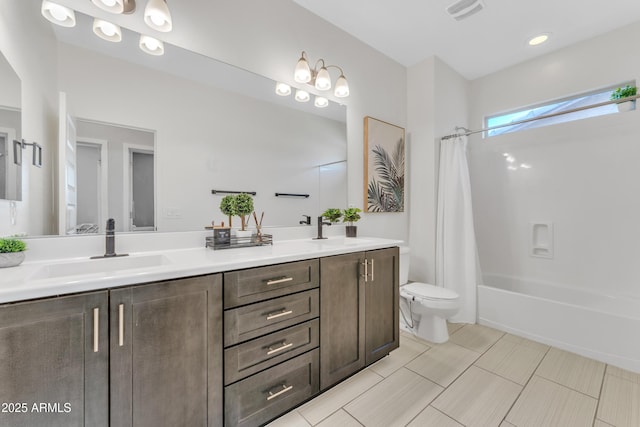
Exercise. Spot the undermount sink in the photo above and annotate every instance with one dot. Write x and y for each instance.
(100, 265)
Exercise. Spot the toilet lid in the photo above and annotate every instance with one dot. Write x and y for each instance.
(423, 290)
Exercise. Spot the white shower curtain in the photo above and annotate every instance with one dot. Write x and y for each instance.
(456, 257)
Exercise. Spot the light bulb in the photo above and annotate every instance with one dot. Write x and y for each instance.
(157, 19)
(302, 72)
(151, 46)
(157, 15)
(321, 102)
(107, 31)
(342, 87)
(113, 6)
(59, 15)
(323, 80)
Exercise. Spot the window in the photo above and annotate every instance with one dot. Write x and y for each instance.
(553, 107)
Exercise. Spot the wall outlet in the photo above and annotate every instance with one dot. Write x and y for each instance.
(173, 213)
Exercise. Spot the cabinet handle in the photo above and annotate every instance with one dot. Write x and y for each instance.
(283, 345)
(279, 280)
(372, 272)
(285, 389)
(366, 270)
(96, 329)
(277, 314)
(121, 325)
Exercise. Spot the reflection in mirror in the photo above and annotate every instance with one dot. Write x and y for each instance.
(10, 130)
(215, 127)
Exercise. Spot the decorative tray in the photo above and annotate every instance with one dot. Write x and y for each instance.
(239, 242)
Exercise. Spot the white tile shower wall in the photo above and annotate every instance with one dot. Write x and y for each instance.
(583, 177)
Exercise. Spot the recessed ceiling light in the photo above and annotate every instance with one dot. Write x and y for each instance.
(539, 39)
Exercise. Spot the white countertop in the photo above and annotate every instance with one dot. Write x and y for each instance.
(30, 280)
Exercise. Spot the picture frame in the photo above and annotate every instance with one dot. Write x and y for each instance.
(384, 166)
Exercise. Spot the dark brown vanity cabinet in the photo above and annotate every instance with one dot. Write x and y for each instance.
(359, 299)
(271, 338)
(166, 356)
(54, 362)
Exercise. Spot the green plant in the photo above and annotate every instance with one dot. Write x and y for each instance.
(244, 206)
(332, 214)
(229, 207)
(351, 215)
(624, 92)
(12, 245)
(387, 193)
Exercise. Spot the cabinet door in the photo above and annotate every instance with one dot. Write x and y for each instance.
(342, 317)
(382, 294)
(54, 362)
(166, 353)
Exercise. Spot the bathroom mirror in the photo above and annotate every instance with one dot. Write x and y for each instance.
(10, 130)
(215, 127)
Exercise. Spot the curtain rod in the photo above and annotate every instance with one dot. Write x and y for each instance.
(533, 119)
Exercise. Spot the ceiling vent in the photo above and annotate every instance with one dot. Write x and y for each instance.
(464, 8)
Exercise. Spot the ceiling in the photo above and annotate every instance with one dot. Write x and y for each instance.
(409, 31)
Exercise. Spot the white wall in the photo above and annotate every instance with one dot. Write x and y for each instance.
(584, 176)
(206, 138)
(31, 50)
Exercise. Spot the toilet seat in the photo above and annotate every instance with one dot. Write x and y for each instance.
(425, 291)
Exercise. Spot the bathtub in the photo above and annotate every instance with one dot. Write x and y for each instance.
(599, 326)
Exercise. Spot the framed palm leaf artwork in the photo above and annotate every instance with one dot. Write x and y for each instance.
(383, 166)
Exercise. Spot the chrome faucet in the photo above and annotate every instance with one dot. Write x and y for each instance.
(307, 220)
(320, 224)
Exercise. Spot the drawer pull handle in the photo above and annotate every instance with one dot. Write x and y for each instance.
(366, 270)
(121, 325)
(283, 345)
(285, 389)
(96, 329)
(372, 276)
(279, 280)
(275, 315)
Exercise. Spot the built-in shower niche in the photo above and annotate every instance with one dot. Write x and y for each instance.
(541, 242)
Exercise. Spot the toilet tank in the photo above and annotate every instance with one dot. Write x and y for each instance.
(404, 265)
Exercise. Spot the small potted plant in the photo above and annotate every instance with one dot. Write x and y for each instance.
(11, 252)
(623, 92)
(244, 208)
(229, 207)
(350, 216)
(333, 215)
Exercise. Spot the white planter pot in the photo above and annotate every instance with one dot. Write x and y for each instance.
(11, 259)
(626, 106)
(244, 234)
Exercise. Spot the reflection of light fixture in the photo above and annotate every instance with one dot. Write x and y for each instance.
(283, 89)
(58, 14)
(151, 46)
(302, 95)
(113, 6)
(157, 15)
(107, 31)
(539, 39)
(320, 79)
(525, 166)
(321, 102)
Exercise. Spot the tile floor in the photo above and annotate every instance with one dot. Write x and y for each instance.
(481, 377)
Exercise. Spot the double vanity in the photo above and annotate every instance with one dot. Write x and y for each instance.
(192, 337)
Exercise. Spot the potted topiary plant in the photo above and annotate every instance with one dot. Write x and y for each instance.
(11, 252)
(621, 94)
(350, 216)
(228, 207)
(332, 215)
(244, 207)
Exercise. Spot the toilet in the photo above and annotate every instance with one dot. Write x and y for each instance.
(425, 307)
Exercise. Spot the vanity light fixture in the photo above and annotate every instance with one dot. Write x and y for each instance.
(59, 15)
(157, 15)
(321, 102)
(302, 95)
(107, 31)
(283, 89)
(318, 76)
(151, 46)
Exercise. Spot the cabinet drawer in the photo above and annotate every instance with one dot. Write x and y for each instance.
(253, 356)
(262, 397)
(259, 284)
(245, 323)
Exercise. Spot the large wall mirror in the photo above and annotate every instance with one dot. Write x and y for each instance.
(153, 136)
(10, 130)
